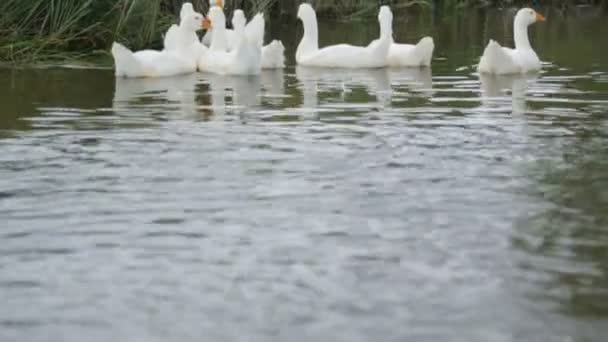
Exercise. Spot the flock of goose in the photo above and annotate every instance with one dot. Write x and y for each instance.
(241, 51)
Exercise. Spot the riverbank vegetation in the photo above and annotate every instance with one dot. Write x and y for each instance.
(36, 30)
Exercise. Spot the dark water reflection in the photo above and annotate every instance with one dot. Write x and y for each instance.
(304, 204)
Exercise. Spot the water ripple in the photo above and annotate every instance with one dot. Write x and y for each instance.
(412, 204)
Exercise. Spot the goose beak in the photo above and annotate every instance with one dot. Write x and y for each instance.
(219, 3)
(539, 17)
(206, 24)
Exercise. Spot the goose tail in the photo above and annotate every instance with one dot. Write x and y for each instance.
(496, 60)
(273, 55)
(170, 41)
(424, 49)
(250, 53)
(125, 63)
(255, 29)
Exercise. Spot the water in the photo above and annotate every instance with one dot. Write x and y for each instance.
(398, 205)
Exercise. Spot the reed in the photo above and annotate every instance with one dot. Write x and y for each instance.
(53, 29)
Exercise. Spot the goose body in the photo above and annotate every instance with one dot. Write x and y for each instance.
(273, 54)
(409, 55)
(343, 55)
(523, 59)
(149, 63)
(244, 59)
(180, 59)
(229, 37)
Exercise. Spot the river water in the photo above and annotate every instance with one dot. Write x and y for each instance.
(305, 204)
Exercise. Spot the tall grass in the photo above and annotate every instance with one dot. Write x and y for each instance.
(35, 30)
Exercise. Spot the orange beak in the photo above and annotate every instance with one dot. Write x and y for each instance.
(206, 24)
(539, 17)
(219, 3)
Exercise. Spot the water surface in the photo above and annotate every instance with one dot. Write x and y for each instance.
(307, 204)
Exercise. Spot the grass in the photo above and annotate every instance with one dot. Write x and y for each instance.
(31, 30)
(55, 30)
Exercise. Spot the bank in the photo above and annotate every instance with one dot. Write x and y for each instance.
(53, 30)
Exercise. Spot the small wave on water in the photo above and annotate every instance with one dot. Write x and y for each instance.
(416, 204)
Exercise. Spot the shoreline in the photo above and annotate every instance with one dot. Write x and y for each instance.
(85, 47)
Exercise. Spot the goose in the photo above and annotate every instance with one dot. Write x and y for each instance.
(343, 55)
(179, 91)
(173, 40)
(409, 55)
(153, 63)
(273, 54)
(230, 38)
(501, 60)
(244, 59)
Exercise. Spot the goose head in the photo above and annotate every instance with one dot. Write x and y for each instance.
(193, 21)
(524, 18)
(215, 18)
(238, 20)
(527, 17)
(385, 14)
(186, 9)
(218, 3)
(306, 12)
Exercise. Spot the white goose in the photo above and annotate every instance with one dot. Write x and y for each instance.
(409, 55)
(343, 55)
(173, 39)
(170, 42)
(244, 59)
(522, 59)
(152, 63)
(230, 38)
(273, 54)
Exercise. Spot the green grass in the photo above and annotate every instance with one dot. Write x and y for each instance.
(56, 30)
(31, 30)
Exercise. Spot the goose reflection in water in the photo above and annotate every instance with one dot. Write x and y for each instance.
(376, 82)
(495, 89)
(240, 93)
(419, 80)
(179, 93)
(273, 83)
(176, 94)
(315, 80)
(233, 93)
